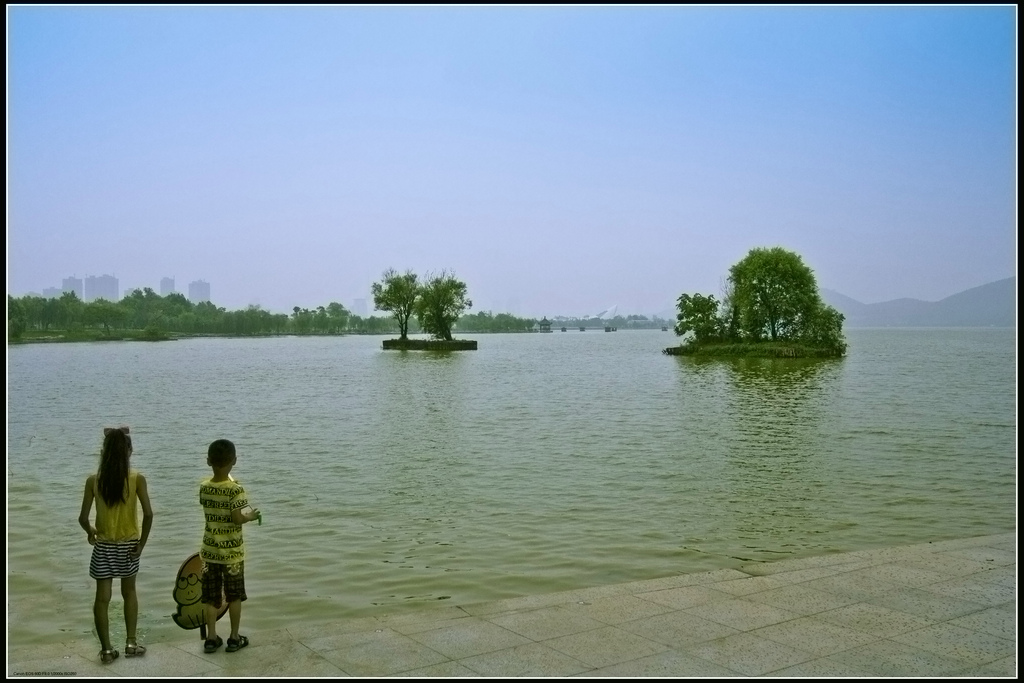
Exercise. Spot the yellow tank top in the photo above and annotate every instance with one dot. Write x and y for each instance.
(117, 523)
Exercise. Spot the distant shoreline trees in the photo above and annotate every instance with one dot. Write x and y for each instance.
(143, 314)
(771, 306)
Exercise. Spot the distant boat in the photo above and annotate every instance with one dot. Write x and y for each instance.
(664, 329)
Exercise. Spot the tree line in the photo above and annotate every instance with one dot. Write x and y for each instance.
(150, 315)
(436, 305)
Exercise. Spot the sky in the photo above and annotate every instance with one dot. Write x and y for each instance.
(558, 160)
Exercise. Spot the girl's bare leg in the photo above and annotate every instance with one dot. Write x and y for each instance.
(131, 607)
(99, 611)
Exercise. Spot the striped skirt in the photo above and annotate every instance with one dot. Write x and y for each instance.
(113, 561)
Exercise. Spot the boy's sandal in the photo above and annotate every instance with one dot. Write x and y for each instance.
(213, 645)
(107, 656)
(236, 645)
(135, 650)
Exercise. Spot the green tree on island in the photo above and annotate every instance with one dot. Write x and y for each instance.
(771, 297)
(698, 314)
(441, 302)
(775, 294)
(397, 294)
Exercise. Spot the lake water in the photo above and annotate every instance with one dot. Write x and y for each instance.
(390, 481)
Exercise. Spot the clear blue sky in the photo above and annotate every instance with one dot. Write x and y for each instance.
(558, 160)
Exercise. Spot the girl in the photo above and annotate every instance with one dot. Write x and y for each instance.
(116, 540)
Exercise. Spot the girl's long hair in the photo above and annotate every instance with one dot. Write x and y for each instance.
(112, 478)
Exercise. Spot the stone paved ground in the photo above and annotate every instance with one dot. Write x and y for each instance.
(943, 609)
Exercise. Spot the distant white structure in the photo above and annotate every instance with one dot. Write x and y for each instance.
(102, 287)
(166, 286)
(198, 291)
(52, 293)
(606, 314)
(359, 307)
(73, 284)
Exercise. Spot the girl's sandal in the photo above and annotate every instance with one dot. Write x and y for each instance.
(107, 656)
(134, 650)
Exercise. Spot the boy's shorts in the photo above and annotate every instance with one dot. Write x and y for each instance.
(223, 581)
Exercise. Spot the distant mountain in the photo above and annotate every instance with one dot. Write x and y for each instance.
(991, 305)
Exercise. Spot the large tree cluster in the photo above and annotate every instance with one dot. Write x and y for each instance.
(771, 295)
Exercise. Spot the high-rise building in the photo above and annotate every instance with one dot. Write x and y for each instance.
(359, 307)
(166, 286)
(102, 287)
(52, 293)
(73, 284)
(198, 291)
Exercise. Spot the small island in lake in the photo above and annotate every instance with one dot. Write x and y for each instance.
(429, 344)
(437, 303)
(771, 308)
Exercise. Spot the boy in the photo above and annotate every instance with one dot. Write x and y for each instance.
(224, 505)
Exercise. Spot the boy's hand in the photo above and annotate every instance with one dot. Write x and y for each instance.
(136, 552)
(92, 535)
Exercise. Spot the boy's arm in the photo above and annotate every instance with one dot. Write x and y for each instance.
(142, 491)
(243, 512)
(240, 517)
(83, 516)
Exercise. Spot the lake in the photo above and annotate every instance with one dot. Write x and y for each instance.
(392, 481)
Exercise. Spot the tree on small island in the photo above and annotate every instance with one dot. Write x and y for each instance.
(397, 294)
(442, 301)
(771, 306)
(438, 304)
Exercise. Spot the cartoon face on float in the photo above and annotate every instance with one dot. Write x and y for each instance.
(188, 593)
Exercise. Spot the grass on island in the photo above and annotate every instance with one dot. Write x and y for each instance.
(758, 350)
(430, 344)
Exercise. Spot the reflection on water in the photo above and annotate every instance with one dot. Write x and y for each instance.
(394, 480)
(773, 427)
(779, 404)
(789, 377)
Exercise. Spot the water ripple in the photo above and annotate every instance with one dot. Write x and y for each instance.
(391, 481)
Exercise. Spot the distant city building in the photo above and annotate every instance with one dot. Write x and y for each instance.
(52, 293)
(73, 284)
(166, 286)
(198, 291)
(359, 307)
(131, 290)
(102, 287)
